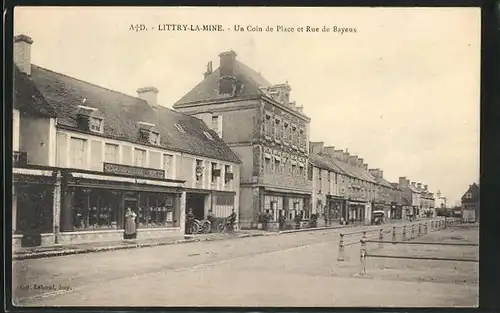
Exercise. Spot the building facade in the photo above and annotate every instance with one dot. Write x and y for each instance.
(267, 131)
(101, 152)
(470, 203)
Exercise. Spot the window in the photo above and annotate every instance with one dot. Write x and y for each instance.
(301, 139)
(140, 157)
(167, 164)
(310, 172)
(154, 138)
(279, 130)
(273, 129)
(301, 171)
(294, 170)
(268, 167)
(228, 174)
(199, 170)
(215, 172)
(77, 150)
(179, 128)
(320, 181)
(110, 153)
(277, 168)
(286, 131)
(267, 125)
(216, 125)
(294, 135)
(95, 124)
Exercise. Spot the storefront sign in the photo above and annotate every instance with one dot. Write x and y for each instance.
(133, 171)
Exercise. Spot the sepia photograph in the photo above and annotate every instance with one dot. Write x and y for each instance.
(245, 157)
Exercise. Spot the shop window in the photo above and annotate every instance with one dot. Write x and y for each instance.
(139, 157)
(111, 153)
(77, 150)
(155, 210)
(94, 210)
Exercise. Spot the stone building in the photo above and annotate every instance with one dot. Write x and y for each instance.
(268, 132)
(84, 154)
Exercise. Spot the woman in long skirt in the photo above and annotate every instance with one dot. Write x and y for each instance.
(130, 227)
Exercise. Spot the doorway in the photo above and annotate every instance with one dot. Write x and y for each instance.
(196, 202)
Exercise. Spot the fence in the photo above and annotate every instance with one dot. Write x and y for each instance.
(406, 232)
(364, 255)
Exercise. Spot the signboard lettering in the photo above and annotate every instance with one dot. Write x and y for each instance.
(133, 171)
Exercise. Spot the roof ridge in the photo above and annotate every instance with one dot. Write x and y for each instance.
(87, 82)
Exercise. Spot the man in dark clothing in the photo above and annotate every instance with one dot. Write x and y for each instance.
(211, 218)
(231, 219)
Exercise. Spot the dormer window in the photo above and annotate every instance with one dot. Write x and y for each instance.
(179, 128)
(95, 124)
(154, 138)
(148, 133)
(87, 119)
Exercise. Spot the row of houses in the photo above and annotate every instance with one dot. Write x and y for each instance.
(83, 154)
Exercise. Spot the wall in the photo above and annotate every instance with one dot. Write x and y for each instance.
(36, 134)
(15, 130)
(245, 154)
(182, 167)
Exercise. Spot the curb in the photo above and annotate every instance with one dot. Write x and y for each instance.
(48, 254)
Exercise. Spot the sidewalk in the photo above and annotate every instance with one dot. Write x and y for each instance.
(60, 250)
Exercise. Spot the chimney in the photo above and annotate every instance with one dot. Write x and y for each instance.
(330, 150)
(413, 184)
(419, 186)
(338, 154)
(316, 147)
(149, 94)
(425, 187)
(345, 156)
(365, 166)
(353, 160)
(226, 69)
(209, 69)
(22, 53)
(375, 172)
(360, 163)
(403, 182)
(300, 108)
(381, 173)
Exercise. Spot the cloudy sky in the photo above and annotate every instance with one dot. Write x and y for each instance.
(402, 92)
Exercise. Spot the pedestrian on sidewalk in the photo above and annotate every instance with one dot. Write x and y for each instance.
(130, 225)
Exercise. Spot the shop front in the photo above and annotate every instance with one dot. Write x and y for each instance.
(93, 204)
(287, 204)
(356, 211)
(396, 211)
(32, 206)
(336, 208)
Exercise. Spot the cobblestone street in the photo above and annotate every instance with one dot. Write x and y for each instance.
(298, 269)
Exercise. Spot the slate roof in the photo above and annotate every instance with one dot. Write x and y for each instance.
(122, 113)
(328, 162)
(27, 98)
(208, 88)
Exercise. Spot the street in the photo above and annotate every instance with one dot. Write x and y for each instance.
(298, 269)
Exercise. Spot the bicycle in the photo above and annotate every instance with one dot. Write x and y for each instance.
(225, 227)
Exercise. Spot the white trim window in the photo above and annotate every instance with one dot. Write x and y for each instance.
(95, 124)
(139, 157)
(77, 152)
(168, 161)
(110, 153)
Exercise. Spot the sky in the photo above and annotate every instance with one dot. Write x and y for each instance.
(401, 92)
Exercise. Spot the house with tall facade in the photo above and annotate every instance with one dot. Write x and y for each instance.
(344, 187)
(84, 154)
(421, 198)
(267, 131)
(470, 203)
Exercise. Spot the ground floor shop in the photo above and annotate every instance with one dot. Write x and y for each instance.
(357, 212)
(336, 207)
(222, 203)
(396, 211)
(83, 206)
(276, 202)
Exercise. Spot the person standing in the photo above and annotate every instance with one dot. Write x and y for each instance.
(130, 225)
